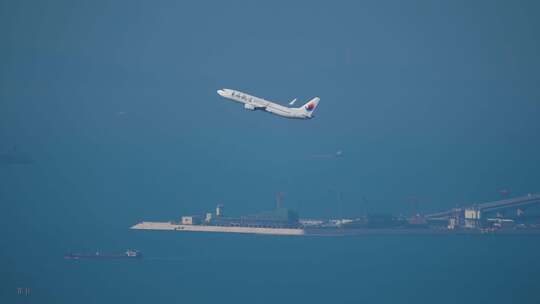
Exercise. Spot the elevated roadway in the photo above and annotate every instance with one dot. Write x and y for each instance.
(529, 199)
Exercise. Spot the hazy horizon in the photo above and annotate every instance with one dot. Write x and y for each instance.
(433, 103)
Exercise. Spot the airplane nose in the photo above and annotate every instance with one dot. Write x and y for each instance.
(221, 92)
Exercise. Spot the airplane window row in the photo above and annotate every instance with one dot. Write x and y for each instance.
(241, 96)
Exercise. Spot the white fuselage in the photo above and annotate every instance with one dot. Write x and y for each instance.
(255, 103)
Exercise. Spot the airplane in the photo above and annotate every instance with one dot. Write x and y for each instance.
(253, 103)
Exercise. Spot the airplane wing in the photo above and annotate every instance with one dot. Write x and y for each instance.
(259, 104)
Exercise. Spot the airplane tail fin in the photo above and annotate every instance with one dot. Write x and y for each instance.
(310, 106)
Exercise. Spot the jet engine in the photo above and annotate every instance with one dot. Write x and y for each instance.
(247, 106)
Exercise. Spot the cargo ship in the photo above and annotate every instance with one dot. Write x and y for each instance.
(129, 254)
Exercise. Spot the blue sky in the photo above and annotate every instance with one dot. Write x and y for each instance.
(437, 99)
(116, 102)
